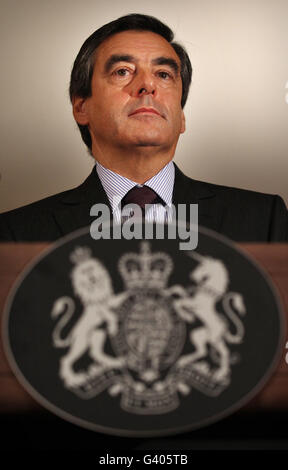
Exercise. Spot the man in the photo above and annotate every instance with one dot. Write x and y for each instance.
(128, 87)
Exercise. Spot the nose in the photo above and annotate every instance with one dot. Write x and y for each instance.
(143, 84)
(146, 91)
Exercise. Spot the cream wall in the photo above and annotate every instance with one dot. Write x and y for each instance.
(237, 112)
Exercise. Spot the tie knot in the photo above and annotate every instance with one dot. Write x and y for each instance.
(141, 196)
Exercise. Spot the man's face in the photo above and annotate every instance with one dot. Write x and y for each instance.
(136, 94)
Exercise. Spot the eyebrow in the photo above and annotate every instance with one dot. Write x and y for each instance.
(167, 61)
(115, 58)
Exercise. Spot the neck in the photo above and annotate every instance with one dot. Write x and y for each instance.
(139, 165)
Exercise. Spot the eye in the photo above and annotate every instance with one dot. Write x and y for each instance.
(164, 74)
(121, 72)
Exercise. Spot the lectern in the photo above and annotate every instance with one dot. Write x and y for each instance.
(273, 398)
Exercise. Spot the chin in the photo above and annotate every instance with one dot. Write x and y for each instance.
(150, 139)
(148, 143)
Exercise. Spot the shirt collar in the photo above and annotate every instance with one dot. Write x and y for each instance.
(116, 186)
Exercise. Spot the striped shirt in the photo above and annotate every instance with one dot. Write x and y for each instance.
(117, 186)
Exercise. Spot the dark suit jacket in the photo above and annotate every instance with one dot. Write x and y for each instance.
(239, 214)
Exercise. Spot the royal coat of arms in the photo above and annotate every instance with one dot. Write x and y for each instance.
(152, 342)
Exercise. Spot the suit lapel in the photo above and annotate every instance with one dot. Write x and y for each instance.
(189, 191)
(73, 212)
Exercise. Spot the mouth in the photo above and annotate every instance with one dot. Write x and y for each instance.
(147, 111)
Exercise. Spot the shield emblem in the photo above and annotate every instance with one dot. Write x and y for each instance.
(130, 330)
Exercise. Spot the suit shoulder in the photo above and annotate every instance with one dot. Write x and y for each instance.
(41, 205)
(55, 201)
(225, 193)
(20, 223)
(53, 216)
(263, 214)
(36, 221)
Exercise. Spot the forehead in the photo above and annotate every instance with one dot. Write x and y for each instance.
(144, 45)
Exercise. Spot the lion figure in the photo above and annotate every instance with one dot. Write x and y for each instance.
(92, 284)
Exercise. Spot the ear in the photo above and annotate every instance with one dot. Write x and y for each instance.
(80, 110)
(183, 123)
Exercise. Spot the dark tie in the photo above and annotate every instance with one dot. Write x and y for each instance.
(141, 196)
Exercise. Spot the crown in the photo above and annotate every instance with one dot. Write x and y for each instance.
(145, 269)
(80, 255)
